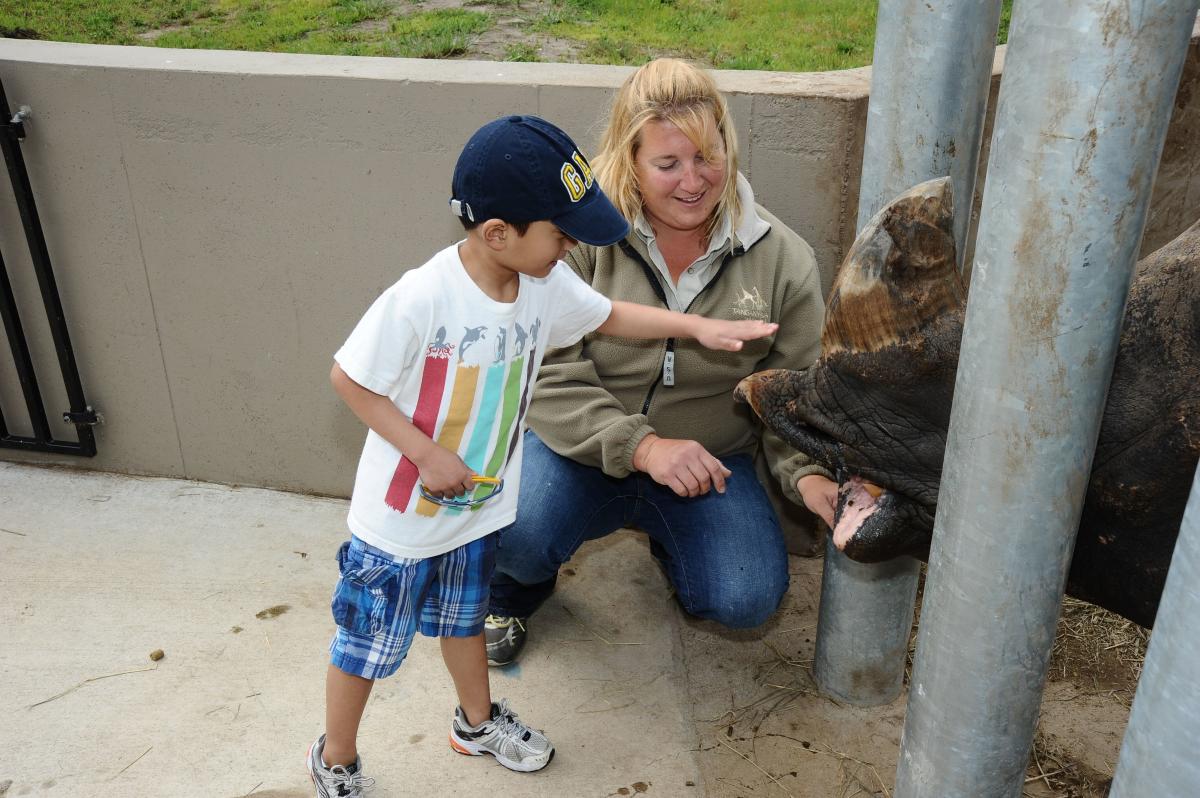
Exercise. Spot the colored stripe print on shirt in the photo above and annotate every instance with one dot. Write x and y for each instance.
(493, 411)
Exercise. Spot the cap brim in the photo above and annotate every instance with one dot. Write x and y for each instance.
(594, 221)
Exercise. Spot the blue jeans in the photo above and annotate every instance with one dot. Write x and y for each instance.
(724, 553)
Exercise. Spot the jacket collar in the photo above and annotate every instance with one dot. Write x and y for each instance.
(751, 227)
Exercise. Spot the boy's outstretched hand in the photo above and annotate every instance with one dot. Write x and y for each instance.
(631, 320)
(729, 335)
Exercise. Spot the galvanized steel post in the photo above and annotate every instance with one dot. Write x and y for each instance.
(1083, 110)
(1162, 739)
(929, 88)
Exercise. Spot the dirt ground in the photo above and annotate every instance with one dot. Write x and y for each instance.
(639, 698)
(782, 738)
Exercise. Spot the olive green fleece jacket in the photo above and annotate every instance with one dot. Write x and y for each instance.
(596, 400)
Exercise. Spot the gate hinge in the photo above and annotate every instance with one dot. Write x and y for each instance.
(17, 124)
(89, 417)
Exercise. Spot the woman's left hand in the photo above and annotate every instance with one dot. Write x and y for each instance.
(820, 495)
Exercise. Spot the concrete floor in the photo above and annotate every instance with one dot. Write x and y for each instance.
(233, 584)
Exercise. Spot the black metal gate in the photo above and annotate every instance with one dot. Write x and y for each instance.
(12, 131)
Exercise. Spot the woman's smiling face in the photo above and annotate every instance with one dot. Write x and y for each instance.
(680, 188)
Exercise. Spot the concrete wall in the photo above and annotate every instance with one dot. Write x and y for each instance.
(218, 221)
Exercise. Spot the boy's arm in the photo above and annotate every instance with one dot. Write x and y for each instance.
(633, 320)
(443, 473)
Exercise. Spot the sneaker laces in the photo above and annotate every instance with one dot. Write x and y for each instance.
(506, 721)
(347, 782)
(504, 621)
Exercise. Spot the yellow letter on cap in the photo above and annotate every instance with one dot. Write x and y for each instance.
(574, 183)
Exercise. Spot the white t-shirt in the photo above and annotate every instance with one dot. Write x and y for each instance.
(461, 366)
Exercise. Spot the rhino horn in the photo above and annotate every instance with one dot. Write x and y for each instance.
(901, 272)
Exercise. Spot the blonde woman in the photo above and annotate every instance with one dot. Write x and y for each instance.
(639, 434)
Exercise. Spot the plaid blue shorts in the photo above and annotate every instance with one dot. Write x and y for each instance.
(382, 600)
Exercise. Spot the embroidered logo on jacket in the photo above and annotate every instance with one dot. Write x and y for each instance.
(750, 305)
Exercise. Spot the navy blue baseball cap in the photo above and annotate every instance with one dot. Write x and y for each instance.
(524, 169)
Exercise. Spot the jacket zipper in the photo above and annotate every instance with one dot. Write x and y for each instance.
(668, 361)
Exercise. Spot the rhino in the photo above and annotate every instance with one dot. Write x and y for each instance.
(875, 407)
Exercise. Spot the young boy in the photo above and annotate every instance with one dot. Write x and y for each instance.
(440, 369)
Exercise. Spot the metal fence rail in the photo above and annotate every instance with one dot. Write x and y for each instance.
(12, 131)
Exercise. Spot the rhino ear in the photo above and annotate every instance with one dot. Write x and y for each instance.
(900, 274)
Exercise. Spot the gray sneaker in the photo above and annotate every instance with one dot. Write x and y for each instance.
(515, 745)
(505, 637)
(338, 781)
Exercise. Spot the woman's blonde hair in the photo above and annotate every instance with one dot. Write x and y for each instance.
(667, 90)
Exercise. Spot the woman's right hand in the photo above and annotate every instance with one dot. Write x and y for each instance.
(684, 466)
(444, 474)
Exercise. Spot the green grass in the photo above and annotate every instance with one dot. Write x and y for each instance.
(107, 22)
(274, 25)
(794, 35)
(788, 35)
(438, 34)
(521, 51)
(1005, 21)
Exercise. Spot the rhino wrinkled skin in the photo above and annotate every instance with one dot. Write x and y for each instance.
(875, 407)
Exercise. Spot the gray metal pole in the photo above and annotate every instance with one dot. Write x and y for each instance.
(863, 627)
(929, 88)
(930, 78)
(1088, 87)
(1162, 739)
